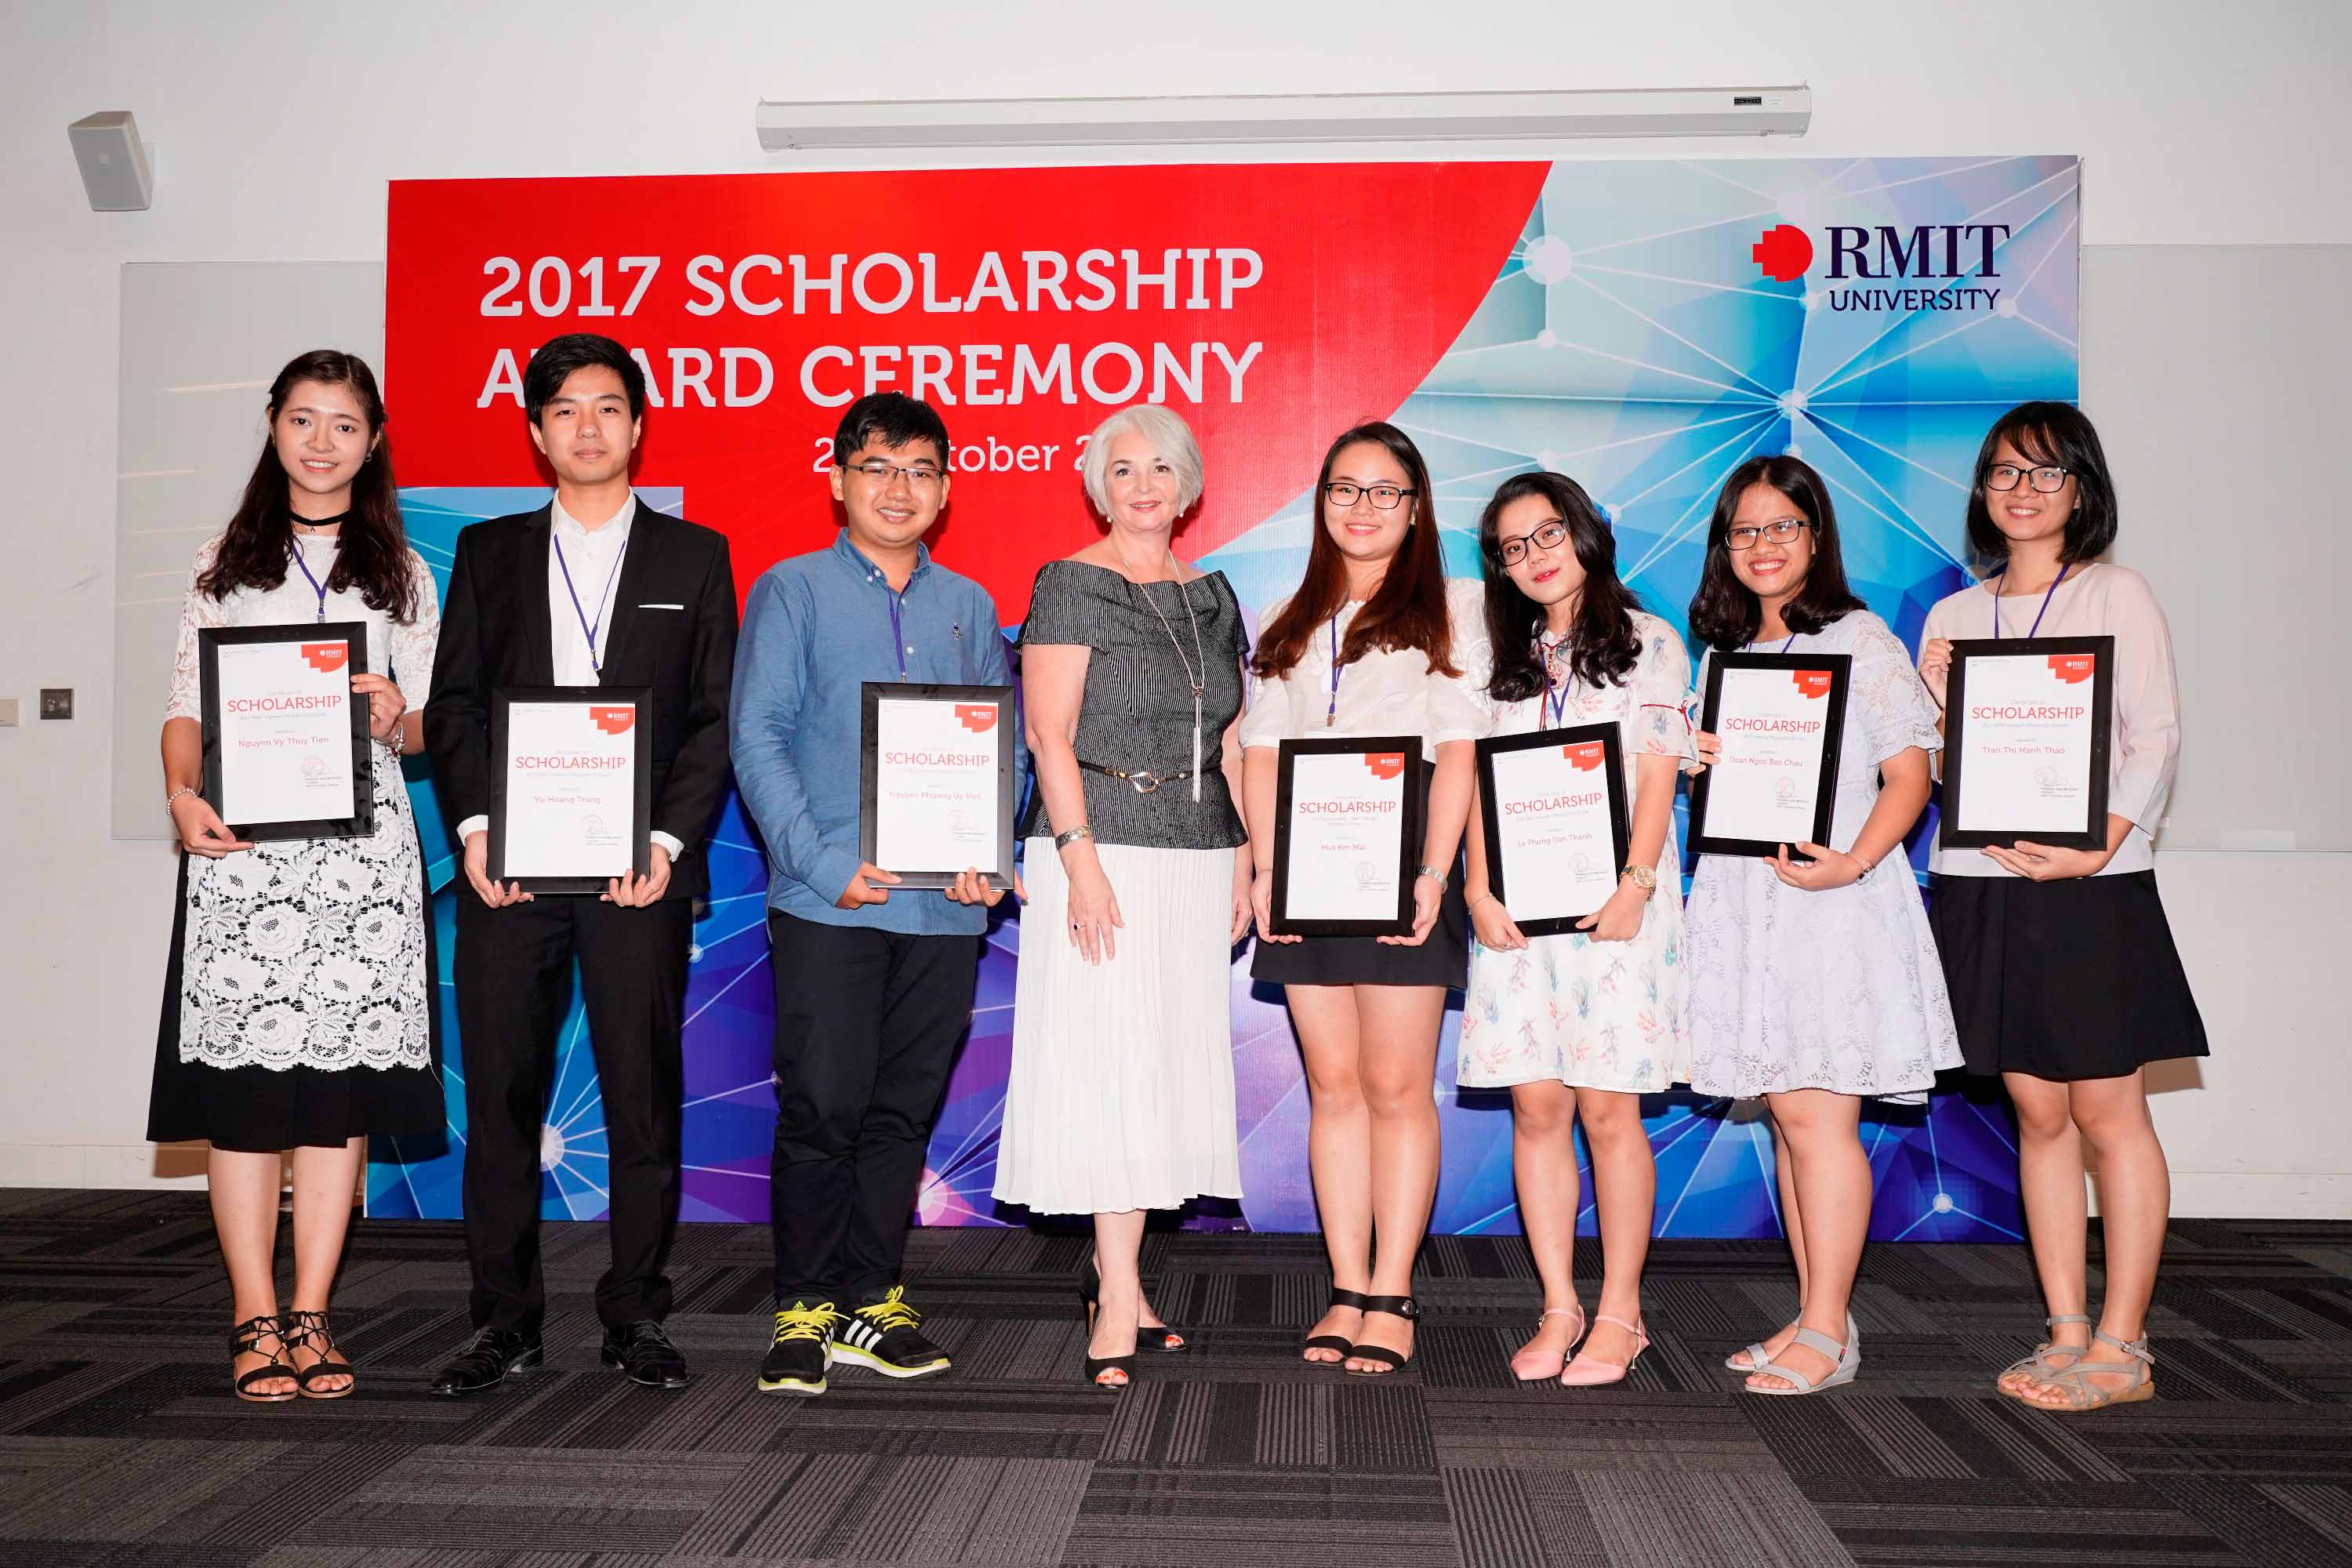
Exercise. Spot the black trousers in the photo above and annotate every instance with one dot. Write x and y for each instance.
(867, 1027)
(513, 972)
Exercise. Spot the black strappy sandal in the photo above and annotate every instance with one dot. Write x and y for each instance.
(245, 1340)
(1404, 1307)
(312, 1332)
(1346, 1347)
(1090, 1296)
(1147, 1336)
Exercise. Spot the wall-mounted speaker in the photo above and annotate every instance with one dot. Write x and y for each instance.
(113, 164)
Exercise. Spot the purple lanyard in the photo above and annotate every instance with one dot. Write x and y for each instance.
(589, 628)
(898, 632)
(1554, 713)
(316, 587)
(2002, 575)
(1332, 709)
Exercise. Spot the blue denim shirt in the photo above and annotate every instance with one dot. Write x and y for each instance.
(816, 629)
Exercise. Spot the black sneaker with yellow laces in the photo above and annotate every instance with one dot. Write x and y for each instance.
(885, 1335)
(800, 1349)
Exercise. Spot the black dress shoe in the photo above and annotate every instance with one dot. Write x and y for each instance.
(644, 1353)
(487, 1359)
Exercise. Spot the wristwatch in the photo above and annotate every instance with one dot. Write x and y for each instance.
(1435, 875)
(1644, 877)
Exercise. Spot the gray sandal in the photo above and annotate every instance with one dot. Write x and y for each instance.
(1847, 1357)
(2037, 1364)
(1753, 1358)
(2075, 1383)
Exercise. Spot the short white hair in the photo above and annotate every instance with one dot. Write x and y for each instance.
(1170, 436)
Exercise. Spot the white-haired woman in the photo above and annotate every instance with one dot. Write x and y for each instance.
(1121, 1096)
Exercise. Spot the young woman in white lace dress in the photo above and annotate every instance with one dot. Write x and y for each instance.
(1814, 981)
(297, 1008)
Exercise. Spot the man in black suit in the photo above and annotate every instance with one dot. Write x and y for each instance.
(591, 589)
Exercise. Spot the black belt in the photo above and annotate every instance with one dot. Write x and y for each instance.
(1143, 779)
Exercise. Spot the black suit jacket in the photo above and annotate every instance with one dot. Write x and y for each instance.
(495, 632)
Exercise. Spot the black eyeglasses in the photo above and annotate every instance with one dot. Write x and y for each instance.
(1341, 493)
(1548, 537)
(2048, 478)
(1781, 531)
(881, 473)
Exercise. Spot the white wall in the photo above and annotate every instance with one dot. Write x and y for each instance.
(276, 126)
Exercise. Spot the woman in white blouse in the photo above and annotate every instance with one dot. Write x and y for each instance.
(297, 1005)
(1375, 642)
(2064, 976)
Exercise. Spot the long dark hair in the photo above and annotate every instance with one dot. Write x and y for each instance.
(2053, 433)
(1603, 646)
(1724, 613)
(1408, 609)
(372, 553)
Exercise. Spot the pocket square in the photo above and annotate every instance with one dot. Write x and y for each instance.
(661, 606)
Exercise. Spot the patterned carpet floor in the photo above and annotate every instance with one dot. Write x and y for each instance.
(120, 1444)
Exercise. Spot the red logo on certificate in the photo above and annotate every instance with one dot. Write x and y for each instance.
(326, 656)
(977, 717)
(2072, 668)
(1812, 684)
(1584, 757)
(1385, 764)
(613, 721)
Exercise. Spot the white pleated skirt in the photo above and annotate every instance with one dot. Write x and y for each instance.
(1121, 1092)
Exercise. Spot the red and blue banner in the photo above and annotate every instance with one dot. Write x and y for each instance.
(1643, 326)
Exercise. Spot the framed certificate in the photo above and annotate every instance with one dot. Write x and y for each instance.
(286, 744)
(1553, 805)
(935, 782)
(1781, 718)
(572, 787)
(2027, 725)
(1346, 835)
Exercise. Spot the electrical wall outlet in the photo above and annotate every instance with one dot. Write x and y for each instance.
(56, 701)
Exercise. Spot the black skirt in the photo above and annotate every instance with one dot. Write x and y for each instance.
(263, 1110)
(2069, 979)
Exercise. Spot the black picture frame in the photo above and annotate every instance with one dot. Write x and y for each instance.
(2093, 834)
(1840, 668)
(1409, 834)
(871, 696)
(641, 794)
(361, 821)
(1490, 811)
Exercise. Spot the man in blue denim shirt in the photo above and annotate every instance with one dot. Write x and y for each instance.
(873, 988)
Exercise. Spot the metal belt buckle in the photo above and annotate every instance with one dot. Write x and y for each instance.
(1144, 781)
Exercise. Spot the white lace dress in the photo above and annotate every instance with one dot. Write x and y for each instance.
(1839, 990)
(302, 957)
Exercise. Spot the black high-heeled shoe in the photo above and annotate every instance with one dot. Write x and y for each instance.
(1147, 1336)
(1090, 1297)
(245, 1340)
(1345, 1346)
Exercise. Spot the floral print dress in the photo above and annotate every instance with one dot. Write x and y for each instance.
(1595, 1015)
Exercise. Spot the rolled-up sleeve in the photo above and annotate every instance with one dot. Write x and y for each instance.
(1661, 716)
(2147, 705)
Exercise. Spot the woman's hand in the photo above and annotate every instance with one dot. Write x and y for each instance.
(1093, 912)
(1936, 666)
(1428, 896)
(1261, 906)
(2048, 862)
(201, 832)
(1619, 920)
(385, 705)
(1245, 900)
(1710, 752)
(1831, 868)
(1494, 924)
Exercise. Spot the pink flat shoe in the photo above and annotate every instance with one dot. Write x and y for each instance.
(1591, 1372)
(1542, 1366)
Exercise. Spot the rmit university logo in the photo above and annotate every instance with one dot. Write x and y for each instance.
(1939, 254)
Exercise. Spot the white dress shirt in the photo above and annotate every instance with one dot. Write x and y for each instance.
(586, 561)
